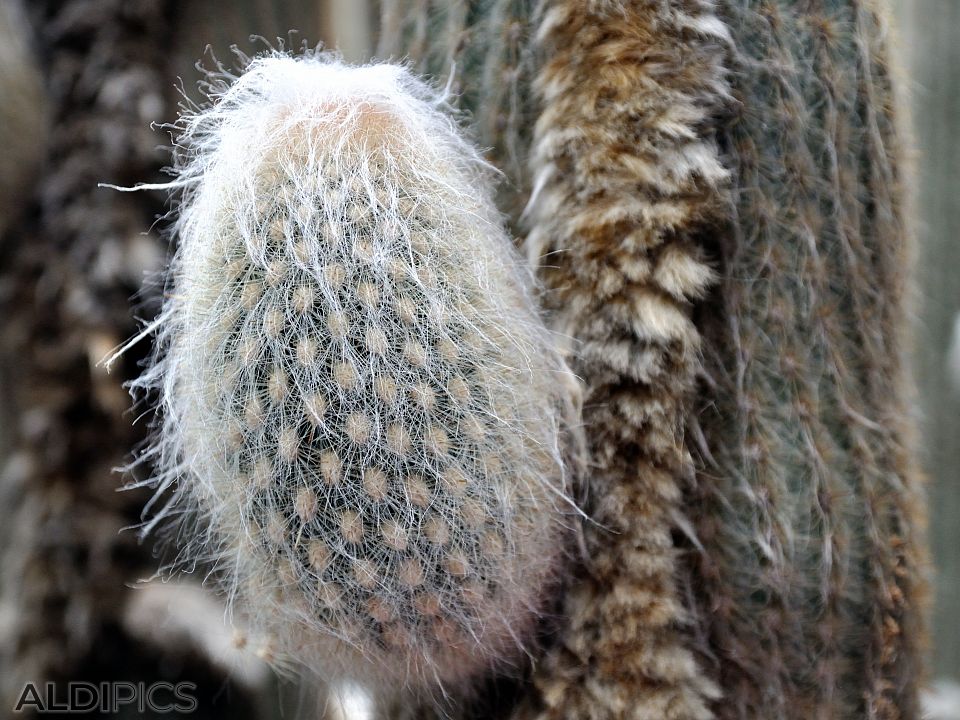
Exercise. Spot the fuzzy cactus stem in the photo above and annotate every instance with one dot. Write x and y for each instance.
(360, 406)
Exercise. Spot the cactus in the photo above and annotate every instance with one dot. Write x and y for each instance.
(809, 497)
(627, 178)
(804, 575)
(614, 225)
(360, 403)
(71, 261)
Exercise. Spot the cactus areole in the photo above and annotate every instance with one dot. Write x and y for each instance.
(359, 407)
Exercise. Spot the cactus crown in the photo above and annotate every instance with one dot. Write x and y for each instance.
(359, 402)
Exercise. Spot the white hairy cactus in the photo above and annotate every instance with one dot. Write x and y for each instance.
(359, 404)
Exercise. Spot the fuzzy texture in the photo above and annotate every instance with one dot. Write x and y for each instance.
(360, 403)
(627, 175)
(809, 501)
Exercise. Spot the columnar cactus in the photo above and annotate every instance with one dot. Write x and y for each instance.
(809, 503)
(359, 401)
(628, 177)
(802, 535)
(71, 260)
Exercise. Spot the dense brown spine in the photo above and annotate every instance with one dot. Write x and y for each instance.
(626, 176)
(896, 666)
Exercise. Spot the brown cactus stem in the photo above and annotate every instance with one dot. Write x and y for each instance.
(71, 262)
(627, 178)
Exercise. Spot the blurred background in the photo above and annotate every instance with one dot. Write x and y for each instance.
(81, 82)
(931, 58)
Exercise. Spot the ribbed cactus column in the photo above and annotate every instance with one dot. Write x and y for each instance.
(627, 175)
(809, 499)
(485, 51)
(361, 407)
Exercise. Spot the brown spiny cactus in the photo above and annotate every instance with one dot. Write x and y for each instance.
(627, 177)
(70, 264)
(69, 269)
